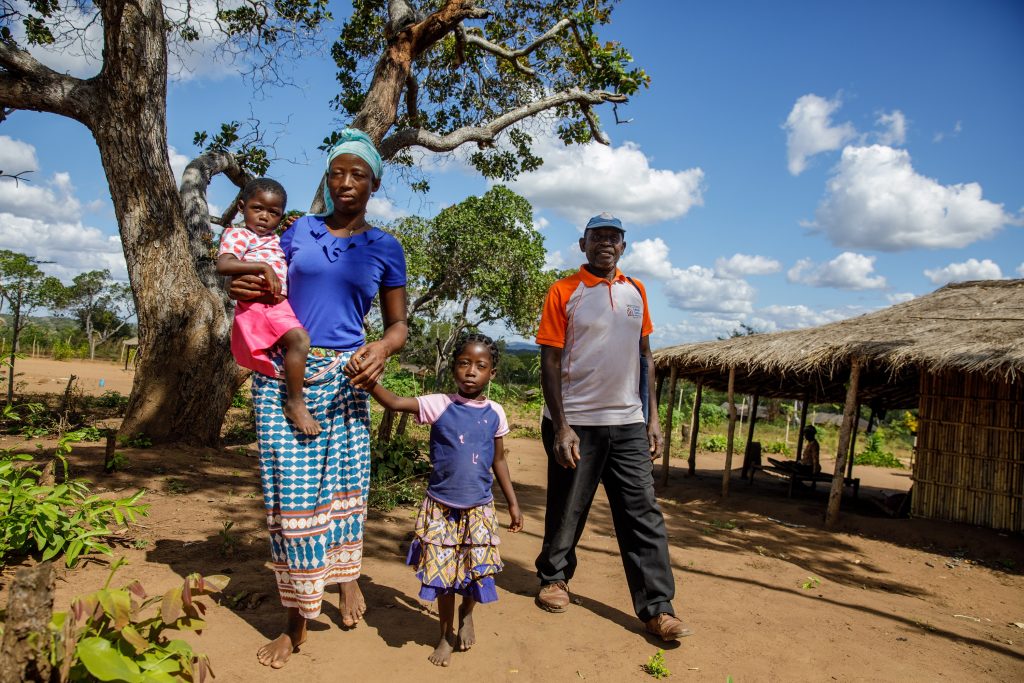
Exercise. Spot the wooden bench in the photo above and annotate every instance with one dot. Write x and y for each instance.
(796, 477)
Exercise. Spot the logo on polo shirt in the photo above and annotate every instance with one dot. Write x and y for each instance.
(634, 311)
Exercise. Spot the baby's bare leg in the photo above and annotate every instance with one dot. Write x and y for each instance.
(296, 343)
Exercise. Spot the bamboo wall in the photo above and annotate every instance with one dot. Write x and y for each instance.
(970, 451)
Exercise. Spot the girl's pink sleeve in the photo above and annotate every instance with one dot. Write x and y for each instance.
(431, 407)
(502, 420)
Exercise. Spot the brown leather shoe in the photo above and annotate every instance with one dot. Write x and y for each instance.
(668, 627)
(553, 597)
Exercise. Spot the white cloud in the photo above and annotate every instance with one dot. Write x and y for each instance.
(971, 269)
(775, 318)
(554, 260)
(900, 297)
(896, 128)
(539, 222)
(706, 326)
(71, 246)
(739, 265)
(580, 181)
(940, 136)
(694, 288)
(876, 200)
(53, 200)
(178, 163)
(1020, 270)
(82, 57)
(383, 210)
(809, 130)
(846, 271)
(17, 156)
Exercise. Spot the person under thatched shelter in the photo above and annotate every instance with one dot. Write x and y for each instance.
(956, 354)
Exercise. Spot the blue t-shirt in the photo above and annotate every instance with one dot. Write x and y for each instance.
(462, 434)
(332, 281)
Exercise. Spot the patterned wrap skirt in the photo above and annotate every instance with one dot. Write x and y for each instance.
(456, 551)
(314, 488)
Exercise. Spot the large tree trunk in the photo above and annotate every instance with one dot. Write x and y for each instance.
(185, 376)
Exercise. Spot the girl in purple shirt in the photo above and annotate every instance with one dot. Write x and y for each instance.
(455, 551)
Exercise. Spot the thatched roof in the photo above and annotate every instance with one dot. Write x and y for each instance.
(975, 327)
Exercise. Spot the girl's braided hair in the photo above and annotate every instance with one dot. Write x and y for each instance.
(467, 339)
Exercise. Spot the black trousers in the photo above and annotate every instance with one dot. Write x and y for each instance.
(619, 458)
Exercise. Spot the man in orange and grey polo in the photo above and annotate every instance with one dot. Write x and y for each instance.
(594, 327)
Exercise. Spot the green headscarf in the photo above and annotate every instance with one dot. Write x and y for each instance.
(352, 142)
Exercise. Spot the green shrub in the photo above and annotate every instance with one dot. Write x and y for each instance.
(714, 444)
(241, 399)
(875, 455)
(121, 634)
(112, 400)
(57, 520)
(776, 447)
(401, 382)
(712, 415)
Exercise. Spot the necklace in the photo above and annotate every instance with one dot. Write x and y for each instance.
(349, 232)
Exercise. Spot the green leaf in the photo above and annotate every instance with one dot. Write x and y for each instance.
(106, 663)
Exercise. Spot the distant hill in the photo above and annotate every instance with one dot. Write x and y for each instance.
(521, 347)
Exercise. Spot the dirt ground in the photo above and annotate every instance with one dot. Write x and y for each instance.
(770, 594)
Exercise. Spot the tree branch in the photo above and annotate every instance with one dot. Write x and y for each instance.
(194, 183)
(595, 125)
(513, 55)
(409, 137)
(25, 83)
(412, 89)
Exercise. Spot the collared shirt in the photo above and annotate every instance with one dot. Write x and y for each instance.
(598, 325)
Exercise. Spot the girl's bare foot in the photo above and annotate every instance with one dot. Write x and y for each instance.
(352, 605)
(442, 654)
(276, 653)
(296, 411)
(467, 634)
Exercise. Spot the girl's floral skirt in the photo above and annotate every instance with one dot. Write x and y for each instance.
(456, 551)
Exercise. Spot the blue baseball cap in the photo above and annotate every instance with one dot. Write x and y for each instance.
(605, 220)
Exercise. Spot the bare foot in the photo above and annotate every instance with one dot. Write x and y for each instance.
(296, 411)
(276, 653)
(467, 635)
(352, 605)
(442, 654)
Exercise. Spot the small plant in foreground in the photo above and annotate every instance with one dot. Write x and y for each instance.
(810, 583)
(655, 666)
(728, 525)
(120, 634)
(176, 486)
(229, 541)
(62, 519)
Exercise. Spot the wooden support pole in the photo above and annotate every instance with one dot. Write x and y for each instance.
(667, 428)
(732, 431)
(853, 443)
(26, 639)
(695, 426)
(803, 423)
(747, 453)
(849, 417)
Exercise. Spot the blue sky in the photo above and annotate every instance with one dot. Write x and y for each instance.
(792, 163)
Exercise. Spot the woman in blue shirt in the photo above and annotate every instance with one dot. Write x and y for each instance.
(315, 488)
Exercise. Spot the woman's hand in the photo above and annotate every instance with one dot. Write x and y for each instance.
(366, 365)
(251, 288)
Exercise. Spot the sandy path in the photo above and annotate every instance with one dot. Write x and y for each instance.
(883, 610)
